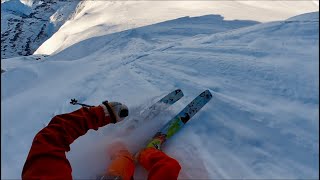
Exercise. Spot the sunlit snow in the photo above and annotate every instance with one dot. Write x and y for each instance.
(262, 122)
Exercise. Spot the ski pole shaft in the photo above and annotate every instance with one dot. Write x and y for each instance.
(85, 105)
(75, 102)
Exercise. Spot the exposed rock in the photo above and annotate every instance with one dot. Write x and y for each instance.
(24, 28)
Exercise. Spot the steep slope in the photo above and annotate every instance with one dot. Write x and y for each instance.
(261, 123)
(99, 18)
(25, 28)
(149, 37)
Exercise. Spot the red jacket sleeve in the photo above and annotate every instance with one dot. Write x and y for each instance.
(47, 159)
(159, 165)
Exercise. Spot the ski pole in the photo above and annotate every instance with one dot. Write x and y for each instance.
(75, 102)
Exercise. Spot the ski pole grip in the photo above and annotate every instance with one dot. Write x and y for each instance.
(124, 113)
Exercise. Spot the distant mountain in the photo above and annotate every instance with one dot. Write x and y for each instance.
(24, 28)
(99, 18)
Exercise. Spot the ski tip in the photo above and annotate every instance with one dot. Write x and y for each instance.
(208, 94)
(179, 91)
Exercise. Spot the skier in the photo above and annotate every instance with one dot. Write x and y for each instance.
(47, 159)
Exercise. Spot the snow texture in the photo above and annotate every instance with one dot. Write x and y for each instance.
(262, 122)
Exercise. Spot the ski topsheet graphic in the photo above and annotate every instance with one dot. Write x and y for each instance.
(163, 103)
(157, 107)
(176, 123)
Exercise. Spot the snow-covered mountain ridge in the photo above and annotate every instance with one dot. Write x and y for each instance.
(99, 18)
(263, 120)
(24, 28)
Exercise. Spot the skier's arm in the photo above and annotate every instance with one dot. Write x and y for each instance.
(159, 165)
(47, 159)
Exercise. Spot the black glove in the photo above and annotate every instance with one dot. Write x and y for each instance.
(117, 111)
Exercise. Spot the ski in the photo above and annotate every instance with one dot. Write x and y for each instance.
(177, 122)
(163, 103)
(159, 106)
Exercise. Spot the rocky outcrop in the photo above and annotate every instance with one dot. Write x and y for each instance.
(24, 28)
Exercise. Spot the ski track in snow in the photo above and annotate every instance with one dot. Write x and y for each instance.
(261, 123)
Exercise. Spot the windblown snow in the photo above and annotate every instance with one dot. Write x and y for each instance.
(262, 122)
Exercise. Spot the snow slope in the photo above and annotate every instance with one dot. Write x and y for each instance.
(96, 18)
(262, 122)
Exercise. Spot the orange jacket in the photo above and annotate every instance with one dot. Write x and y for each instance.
(47, 159)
